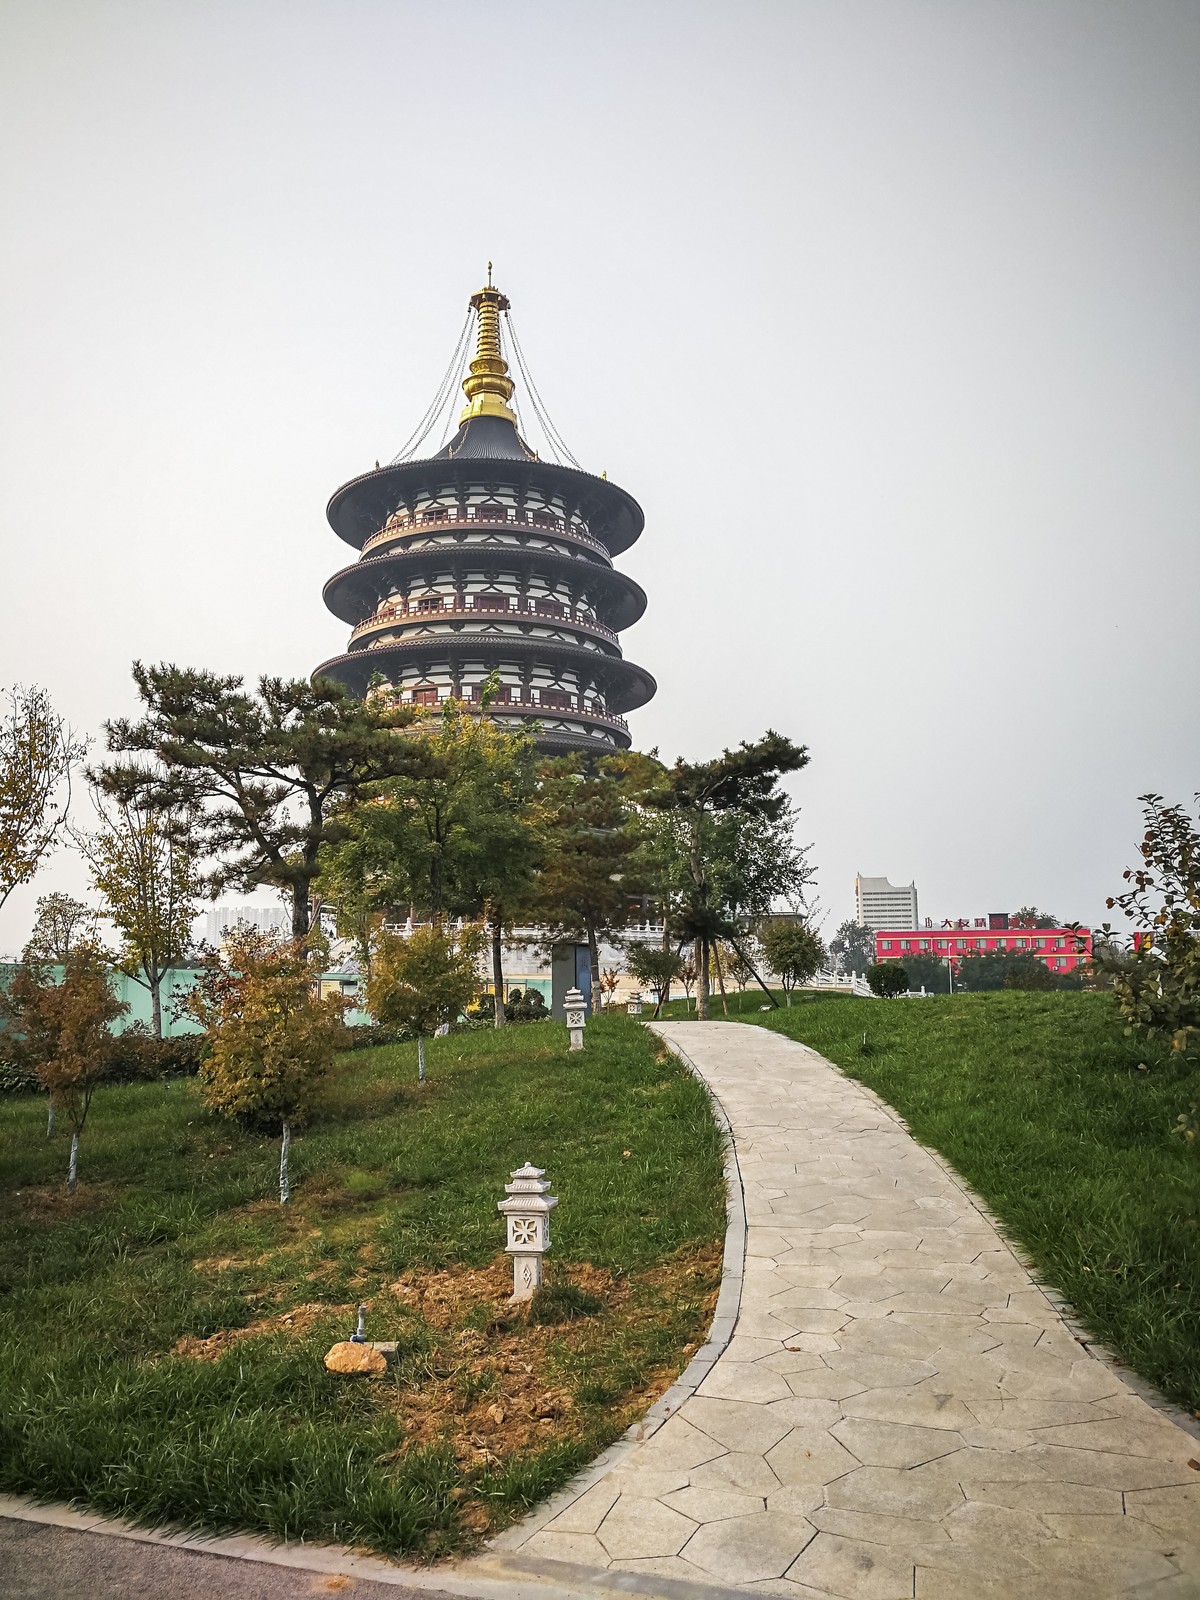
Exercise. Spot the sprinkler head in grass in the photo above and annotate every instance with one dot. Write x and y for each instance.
(359, 1336)
(527, 1211)
(575, 1009)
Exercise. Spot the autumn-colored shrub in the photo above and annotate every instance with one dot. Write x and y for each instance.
(271, 1037)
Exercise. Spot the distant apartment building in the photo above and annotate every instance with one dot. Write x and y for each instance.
(1060, 948)
(275, 920)
(880, 904)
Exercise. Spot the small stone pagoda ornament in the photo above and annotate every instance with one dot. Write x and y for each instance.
(634, 1007)
(527, 1211)
(575, 1008)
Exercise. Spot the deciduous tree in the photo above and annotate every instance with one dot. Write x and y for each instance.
(853, 947)
(424, 979)
(1156, 983)
(59, 924)
(452, 837)
(654, 968)
(63, 1029)
(271, 1038)
(143, 859)
(887, 979)
(1031, 917)
(38, 755)
(793, 951)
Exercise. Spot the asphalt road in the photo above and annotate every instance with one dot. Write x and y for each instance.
(40, 1562)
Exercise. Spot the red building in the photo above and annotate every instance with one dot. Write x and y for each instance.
(1060, 948)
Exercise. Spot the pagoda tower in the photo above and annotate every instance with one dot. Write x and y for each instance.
(485, 559)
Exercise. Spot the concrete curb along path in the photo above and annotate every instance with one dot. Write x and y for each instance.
(901, 1410)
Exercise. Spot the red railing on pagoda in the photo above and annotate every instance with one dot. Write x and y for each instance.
(513, 607)
(590, 711)
(534, 521)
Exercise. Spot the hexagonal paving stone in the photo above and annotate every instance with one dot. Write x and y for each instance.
(897, 1491)
(892, 1444)
(742, 1549)
(810, 1456)
(747, 1380)
(737, 1469)
(736, 1424)
(677, 1446)
(923, 1406)
(644, 1528)
(850, 1567)
(714, 1505)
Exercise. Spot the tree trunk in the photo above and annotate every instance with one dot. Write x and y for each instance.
(50, 1121)
(720, 975)
(285, 1144)
(300, 911)
(420, 1058)
(73, 1164)
(594, 953)
(754, 974)
(702, 980)
(498, 968)
(155, 987)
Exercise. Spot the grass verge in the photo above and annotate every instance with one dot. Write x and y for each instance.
(162, 1334)
(1038, 1101)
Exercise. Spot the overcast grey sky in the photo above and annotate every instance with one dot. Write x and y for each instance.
(885, 310)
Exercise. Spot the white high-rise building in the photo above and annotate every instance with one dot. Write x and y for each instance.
(879, 904)
(267, 919)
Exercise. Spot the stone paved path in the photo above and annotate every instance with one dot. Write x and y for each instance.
(900, 1411)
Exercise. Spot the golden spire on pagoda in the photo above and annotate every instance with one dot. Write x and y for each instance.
(489, 387)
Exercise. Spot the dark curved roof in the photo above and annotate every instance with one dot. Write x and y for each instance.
(361, 507)
(486, 438)
(368, 578)
(630, 686)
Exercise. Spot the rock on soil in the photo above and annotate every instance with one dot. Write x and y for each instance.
(346, 1356)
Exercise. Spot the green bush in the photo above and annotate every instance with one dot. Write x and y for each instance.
(366, 1035)
(887, 979)
(140, 1058)
(137, 1058)
(527, 1007)
(18, 1080)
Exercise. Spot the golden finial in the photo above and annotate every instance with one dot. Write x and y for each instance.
(488, 388)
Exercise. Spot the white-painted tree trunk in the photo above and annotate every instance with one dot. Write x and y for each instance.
(73, 1164)
(420, 1058)
(284, 1146)
(50, 1121)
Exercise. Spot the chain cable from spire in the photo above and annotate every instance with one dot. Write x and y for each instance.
(444, 391)
(450, 424)
(554, 438)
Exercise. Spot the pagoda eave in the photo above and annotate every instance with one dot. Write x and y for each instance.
(354, 592)
(362, 506)
(628, 686)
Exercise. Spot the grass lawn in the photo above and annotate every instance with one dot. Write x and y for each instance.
(162, 1334)
(1036, 1099)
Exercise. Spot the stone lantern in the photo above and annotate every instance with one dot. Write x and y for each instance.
(527, 1211)
(575, 1008)
(634, 1007)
